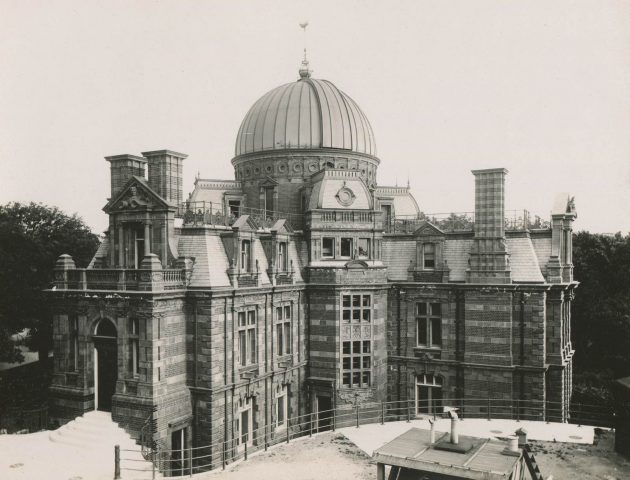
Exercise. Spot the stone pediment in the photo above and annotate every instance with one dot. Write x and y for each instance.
(135, 195)
(282, 226)
(268, 182)
(428, 229)
(245, 223)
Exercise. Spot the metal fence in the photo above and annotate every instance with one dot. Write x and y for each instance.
(191, 460)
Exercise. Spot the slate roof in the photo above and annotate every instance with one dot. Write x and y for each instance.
(211, 261)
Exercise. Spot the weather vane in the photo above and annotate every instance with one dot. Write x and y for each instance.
(304, 70)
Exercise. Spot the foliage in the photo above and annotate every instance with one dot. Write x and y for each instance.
(600, 314)
(31, 239)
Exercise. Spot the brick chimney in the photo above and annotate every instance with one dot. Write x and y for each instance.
(165, 174)
(122, 168)
(488, 261)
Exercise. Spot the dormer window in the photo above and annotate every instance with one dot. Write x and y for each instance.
(246, 246)
(282, 257)
(363, 248)
(428, 256)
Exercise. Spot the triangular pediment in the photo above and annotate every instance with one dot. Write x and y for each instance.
(282, 226)
(245, 223)
(135, 195)
(428, 229)
(268, 182)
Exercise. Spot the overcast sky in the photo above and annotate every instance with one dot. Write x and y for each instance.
(540, 88)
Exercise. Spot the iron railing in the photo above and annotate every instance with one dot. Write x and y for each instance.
(211, 214)
(119, 279)
(191, 460)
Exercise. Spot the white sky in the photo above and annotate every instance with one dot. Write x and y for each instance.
(540, 88)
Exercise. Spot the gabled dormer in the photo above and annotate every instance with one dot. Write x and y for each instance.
(429, 265)
(141, 223)
(240, 245)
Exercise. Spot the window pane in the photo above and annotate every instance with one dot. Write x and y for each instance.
(252, 344)
(356, 363)
(436, 309)
(356, 315)
(422, 331)
(281, 410)
(251, 317)
(366, 346)
(366, 300)
(279, 343)
(366, 362)
(346, 363)
(346, 315)
(422, 309)
(241, 319)
(436, 331)
(346, 247)
(366, 315)
(346, 379)
(346, 301)
(287, 338)
(287, 312)
(242, 347)
(346, 348)
(279, 313)
(328, 247)
(364, 247)
(356, 300)
(356, 347)
(366, 379)
(356, 379)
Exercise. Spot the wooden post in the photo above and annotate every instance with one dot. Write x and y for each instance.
(489, 417)
(310, 424)
(357, 410)
(117, 462)
(190, 460)
(287, 428)
(408, 411)
(382, 413)
(245, 457)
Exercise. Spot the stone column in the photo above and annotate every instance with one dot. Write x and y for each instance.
(147, 238)
(121, 246)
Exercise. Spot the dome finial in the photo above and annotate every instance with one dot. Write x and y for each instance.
(305, 72)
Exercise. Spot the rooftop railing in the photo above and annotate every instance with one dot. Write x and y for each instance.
(202, 458)
(208, 213)
(462, 222)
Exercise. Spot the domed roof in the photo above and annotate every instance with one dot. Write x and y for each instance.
(305, 114)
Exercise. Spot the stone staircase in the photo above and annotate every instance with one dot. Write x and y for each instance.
(93, 437)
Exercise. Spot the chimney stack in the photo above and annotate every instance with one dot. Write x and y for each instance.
(489, 256)
(165, 174)
(122, 168)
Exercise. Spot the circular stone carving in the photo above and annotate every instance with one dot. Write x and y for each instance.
(268, 168)
(282, 168)
(297, 167)
(312, 167)
(345, 196)
(256, 170)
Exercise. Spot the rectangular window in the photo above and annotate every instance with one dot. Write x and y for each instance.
(134, 344)
(346, 247)
(328, 247)
(246, 255)
(356, 355)
(235, 207)
(280, 405)
(282, 257)
(428, 255)
(247, 338)
(283, 330)
(364, 248)
(429, 324)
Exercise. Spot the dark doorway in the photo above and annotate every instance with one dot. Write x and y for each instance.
(178, 452)
(324, 413)
(106, 364)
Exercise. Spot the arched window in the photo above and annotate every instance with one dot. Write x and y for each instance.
(105, 328)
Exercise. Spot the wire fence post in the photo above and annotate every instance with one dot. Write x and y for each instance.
(408, 411)
(334, 419)
(288, 423)
(246, 442)
(116, 462)
(190, 466)
(223, 455)
(489, 415)
(310, 424)
(357, 412)
(382, 413)
(266, 438)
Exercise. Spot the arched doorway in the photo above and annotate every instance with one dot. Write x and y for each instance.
(105, 364)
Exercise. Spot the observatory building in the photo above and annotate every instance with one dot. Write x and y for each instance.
(304, 286)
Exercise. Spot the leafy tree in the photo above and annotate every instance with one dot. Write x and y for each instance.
(600, 314)
(31, 239)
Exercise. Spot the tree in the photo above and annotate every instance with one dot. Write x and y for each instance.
(31, 239)
(600, 314)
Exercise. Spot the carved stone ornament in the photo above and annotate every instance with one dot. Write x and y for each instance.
(135, 198)
(345, 196)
